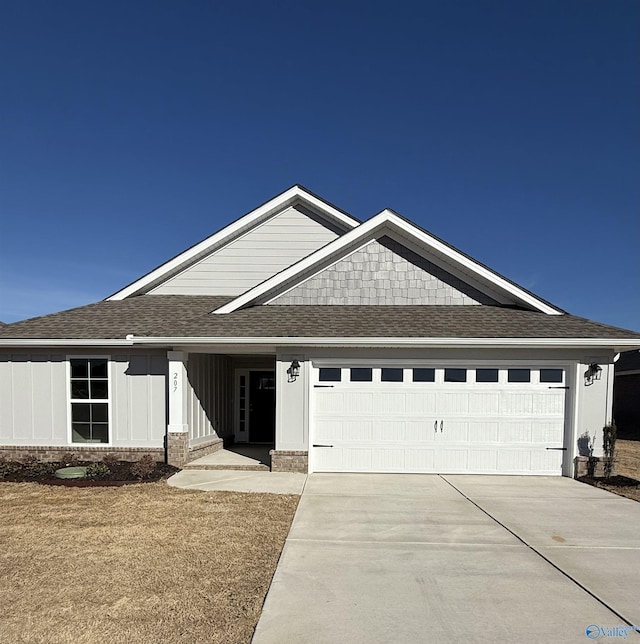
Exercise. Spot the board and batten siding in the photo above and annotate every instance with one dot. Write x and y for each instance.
(252, 258)
(209, 397)
(34, 399)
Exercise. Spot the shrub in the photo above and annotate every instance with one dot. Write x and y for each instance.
(69, 459)
(144, 468)
(110, 460)
(33, 468)
(8, 468)
(98, 471)
(609, 435)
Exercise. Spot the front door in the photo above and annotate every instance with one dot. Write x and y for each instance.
(262, 406)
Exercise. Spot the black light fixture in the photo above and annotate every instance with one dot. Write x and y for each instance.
(593, 373)
(293, 371)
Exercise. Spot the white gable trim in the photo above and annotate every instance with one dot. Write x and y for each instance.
(227, 234)
(367, 231)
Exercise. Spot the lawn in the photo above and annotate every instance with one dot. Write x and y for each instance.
(140, 563)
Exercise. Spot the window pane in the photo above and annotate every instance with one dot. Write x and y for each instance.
(391, 375)
(99, 413)
(80, 432)
(455, 375)
(99, 389)
(330, 375)
(550, 375)
(100, 433)
(79, 369)
(361, 375)
(486, 375)
(98, 368)
(519, 375)
(79, 389)
(424, 375)
(80, 412)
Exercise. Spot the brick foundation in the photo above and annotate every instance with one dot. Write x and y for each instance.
(289, 461)
(52, 454)
(590, 466)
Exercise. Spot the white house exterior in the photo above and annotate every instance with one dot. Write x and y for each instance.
(347, 346)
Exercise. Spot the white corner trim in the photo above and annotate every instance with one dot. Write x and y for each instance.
(227, 233)
(367, 231)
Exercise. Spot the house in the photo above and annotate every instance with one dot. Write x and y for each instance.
(348, 346)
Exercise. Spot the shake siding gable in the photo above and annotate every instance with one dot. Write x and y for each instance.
(383, 273)
(252, 258)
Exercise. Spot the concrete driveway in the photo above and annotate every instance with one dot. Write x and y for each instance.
(427, 558)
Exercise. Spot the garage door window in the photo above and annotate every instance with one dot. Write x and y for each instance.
(519, 375)
(424, 375)
(361, 375)
(330, 374)
(550, 375)
(455, 375)
(486, 375)
(391, 375)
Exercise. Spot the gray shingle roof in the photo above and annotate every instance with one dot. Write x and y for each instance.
(189, 316)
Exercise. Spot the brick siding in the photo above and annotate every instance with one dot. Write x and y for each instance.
(52, 454)
(289, 461)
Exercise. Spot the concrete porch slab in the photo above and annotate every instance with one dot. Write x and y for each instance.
(237, 457)
(239, 481)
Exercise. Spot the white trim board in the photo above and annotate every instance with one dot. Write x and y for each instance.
(295, 194)
(384, 222)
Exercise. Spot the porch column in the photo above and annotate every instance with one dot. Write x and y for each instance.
(178, 428)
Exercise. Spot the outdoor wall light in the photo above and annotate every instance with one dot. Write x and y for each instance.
(293, 371)
(594, 372)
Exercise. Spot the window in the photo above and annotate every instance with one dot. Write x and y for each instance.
(550, 375)
(424, 375)
(361, 375)
(486, 375)
(455, 375)
(519, 375)
(330, 374)
(242, 407)
(391, 375)
(89, 392)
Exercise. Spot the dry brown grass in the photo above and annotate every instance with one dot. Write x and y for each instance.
(137, 564)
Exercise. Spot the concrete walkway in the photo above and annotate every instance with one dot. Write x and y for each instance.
(420, 558)
(239, 481)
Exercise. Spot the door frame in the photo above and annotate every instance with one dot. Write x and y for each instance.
(242, 430)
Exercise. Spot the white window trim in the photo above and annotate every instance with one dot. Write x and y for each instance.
(107, 400)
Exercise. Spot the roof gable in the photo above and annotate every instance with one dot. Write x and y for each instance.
(469, 274)
(295, 206)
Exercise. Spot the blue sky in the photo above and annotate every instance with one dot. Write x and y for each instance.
(132, 130)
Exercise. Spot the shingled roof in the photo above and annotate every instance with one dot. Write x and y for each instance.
(184, 316)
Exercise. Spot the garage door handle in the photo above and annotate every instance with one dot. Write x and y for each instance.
(441, 425)
(322, 445)
(560, 449)
(435, 426)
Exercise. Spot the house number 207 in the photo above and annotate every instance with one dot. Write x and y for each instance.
(175, 382)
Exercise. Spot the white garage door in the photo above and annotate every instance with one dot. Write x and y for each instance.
(491, 420)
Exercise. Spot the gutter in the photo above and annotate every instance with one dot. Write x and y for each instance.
(63, 342)
(522, 343)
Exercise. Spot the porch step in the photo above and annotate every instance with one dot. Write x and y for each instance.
(242, 468)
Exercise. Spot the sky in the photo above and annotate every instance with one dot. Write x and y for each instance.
(131, 130)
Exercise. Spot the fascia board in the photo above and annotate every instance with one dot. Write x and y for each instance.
(65, 342)
(496, 343)
(228, 232)
(367, 230)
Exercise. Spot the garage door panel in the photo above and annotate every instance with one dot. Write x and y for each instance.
(550, 404)
(515, 432)
(359, 401)
(514, 461)
(483, 461)
(357, 430)
(388, 459)
(423, 402)
(455, 431)
(388, 431)
(419, 431)
(549, 433)
(329, 401)
(420, 460)
(484, 403)
(452, 460)
(516, 403)
(484, 432)
(452, 403)
(389, 403)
